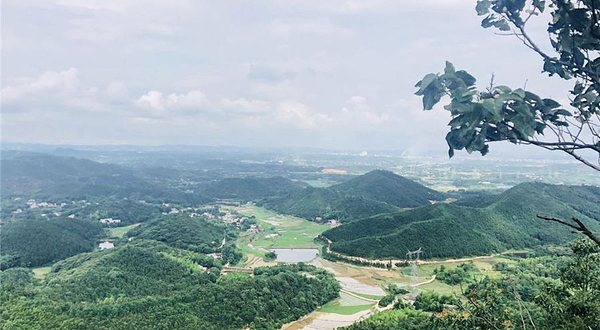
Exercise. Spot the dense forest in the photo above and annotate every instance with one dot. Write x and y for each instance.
(251, 188)
(373, 193)
(310, 203)
(148, 285)
(182, 231)
(446, 230)
(387, 187)
(31, 243)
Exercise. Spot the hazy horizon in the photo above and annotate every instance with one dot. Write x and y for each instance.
(334, 75)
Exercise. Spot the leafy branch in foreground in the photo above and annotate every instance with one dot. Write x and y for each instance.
(500, 113)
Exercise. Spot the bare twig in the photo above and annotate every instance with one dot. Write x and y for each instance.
(576, 224)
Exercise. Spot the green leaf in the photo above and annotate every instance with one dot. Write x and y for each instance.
(468, 79)
(502, 25)
(520, 92)
(578, 89)
(488, 22)
(490, 106)
(550, 103)
(540, 5)
(430, 99)
(563, 112)
(483, 7)
(425, 82)
(449, 68)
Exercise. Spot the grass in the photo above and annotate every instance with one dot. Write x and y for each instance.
(344, 310)
(347, 304)
(41, 272)
(441, 288)
(291, 232)
(118, 232)
(368, 296)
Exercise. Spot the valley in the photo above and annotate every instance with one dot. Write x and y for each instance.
(294, 251)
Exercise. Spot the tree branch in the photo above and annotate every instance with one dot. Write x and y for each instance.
(578, 226)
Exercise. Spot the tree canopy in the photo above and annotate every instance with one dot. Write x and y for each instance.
(501, 113)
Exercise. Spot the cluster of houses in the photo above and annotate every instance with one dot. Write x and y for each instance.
(34, 205)
(109, 221)
(255, 229)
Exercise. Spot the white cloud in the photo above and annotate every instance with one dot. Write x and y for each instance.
(59, 91)
(300, 115)
(272, 72)
(157, 104)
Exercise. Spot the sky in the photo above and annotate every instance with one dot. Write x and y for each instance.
(310, 73)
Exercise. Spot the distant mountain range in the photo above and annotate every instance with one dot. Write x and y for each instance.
(507, 221)
(46, 176)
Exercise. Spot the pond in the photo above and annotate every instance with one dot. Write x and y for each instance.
(295, 255)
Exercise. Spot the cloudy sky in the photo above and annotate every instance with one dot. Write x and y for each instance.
(333, 74)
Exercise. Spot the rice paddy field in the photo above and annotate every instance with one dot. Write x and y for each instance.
(280, 231)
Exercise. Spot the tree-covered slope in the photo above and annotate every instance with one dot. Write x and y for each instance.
(32, 243)
(445, 230)
(148, 285)
(310, 203)
(395, 319)
(44, 176)
(385, 186)
(142, 268)
(181, 231)
(251, 188)
(370, 194)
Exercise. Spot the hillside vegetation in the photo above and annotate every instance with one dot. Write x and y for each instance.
(32, 243)
(148, 285)
(370, 194)
(45, 176)
(251, 188)
(387, 187)
(180, 231)
(446, 230)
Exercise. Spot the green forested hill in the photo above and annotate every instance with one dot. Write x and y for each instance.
(180, 231)
(310, 203)
(251, 188)
(32, 243)
(148, 285)
(385, 186)
(446, 230)
(44, 176)
(370, 194)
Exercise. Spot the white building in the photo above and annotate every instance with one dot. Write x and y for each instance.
(106, 245)
(109, 220)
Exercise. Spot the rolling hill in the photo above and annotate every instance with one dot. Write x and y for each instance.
(148, 285)
(390, 188)
(370, 194)
(446, 230)
(180, 231)
(251, 188)
(44, 176)
(32, 243)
